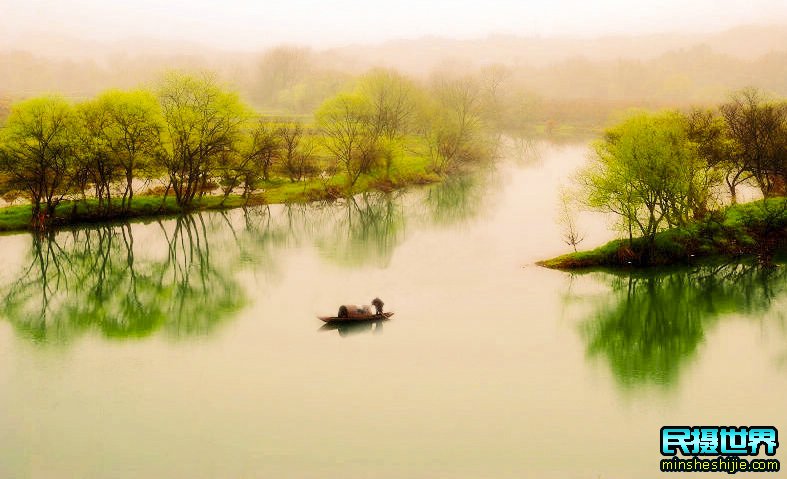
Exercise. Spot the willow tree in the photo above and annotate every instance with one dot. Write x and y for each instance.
(37, 153)
(202, 123)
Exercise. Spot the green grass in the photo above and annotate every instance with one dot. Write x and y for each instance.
(758, 228)
(410, 169)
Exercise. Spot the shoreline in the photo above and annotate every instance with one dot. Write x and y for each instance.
(73, 213)
(756, 229)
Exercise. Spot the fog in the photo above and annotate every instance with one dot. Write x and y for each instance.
(249, 25)
(570, 61)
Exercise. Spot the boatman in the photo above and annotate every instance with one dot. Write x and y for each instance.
(378, 305)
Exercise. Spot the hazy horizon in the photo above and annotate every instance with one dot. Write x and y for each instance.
(607, 56)
(245, 25)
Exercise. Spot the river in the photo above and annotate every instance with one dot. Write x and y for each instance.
(189, 347)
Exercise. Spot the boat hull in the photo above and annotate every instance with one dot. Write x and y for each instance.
(356, 319)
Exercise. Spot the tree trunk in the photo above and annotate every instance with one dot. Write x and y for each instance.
(129, 190)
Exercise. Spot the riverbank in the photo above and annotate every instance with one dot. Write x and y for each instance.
(757, 229)
(414, 171)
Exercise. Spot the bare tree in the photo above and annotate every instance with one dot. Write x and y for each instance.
(454, 122)
(710, 136)
(290, 135)
(571, 234)
(758, 129)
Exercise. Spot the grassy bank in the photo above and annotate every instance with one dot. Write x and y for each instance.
(757, 229)
(411, 170)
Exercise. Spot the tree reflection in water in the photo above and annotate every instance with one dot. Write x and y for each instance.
(95, 279)
(365, 229)
(90, 279)
(653, 322)
(456, 199)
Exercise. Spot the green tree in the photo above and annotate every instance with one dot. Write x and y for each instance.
(97, 165)
(647, 172)
(393, 99)
(708, 132)
(37, 153)
(347, 124)
(132, 133)
(297, 156)
(265, 148)
(203, 123)
(257, 151)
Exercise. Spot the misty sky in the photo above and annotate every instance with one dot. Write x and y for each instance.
(249, 24)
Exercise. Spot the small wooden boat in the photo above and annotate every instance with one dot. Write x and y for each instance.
(356, 318)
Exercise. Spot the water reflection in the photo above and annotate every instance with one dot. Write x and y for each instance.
(366, 229)
(522, 148)
(186, 282)
(256, 237)
(457, 199)
(91, 279)
(651, 323)
(349, 328)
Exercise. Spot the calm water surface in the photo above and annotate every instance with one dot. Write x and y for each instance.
(189, 347)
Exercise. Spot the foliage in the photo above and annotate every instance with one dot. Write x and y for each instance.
(203, 126)
(192, 136)
(646, 172)
(250, 162)
(659, 171)
(453, 123)
(346, 122)
(394, 100)
(708, 133)
(409, 170)
(297, 152)
(37, 153)
(132, 134)
(757, 229)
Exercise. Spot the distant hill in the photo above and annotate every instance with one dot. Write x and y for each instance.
(579, 76)
(424, 54)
